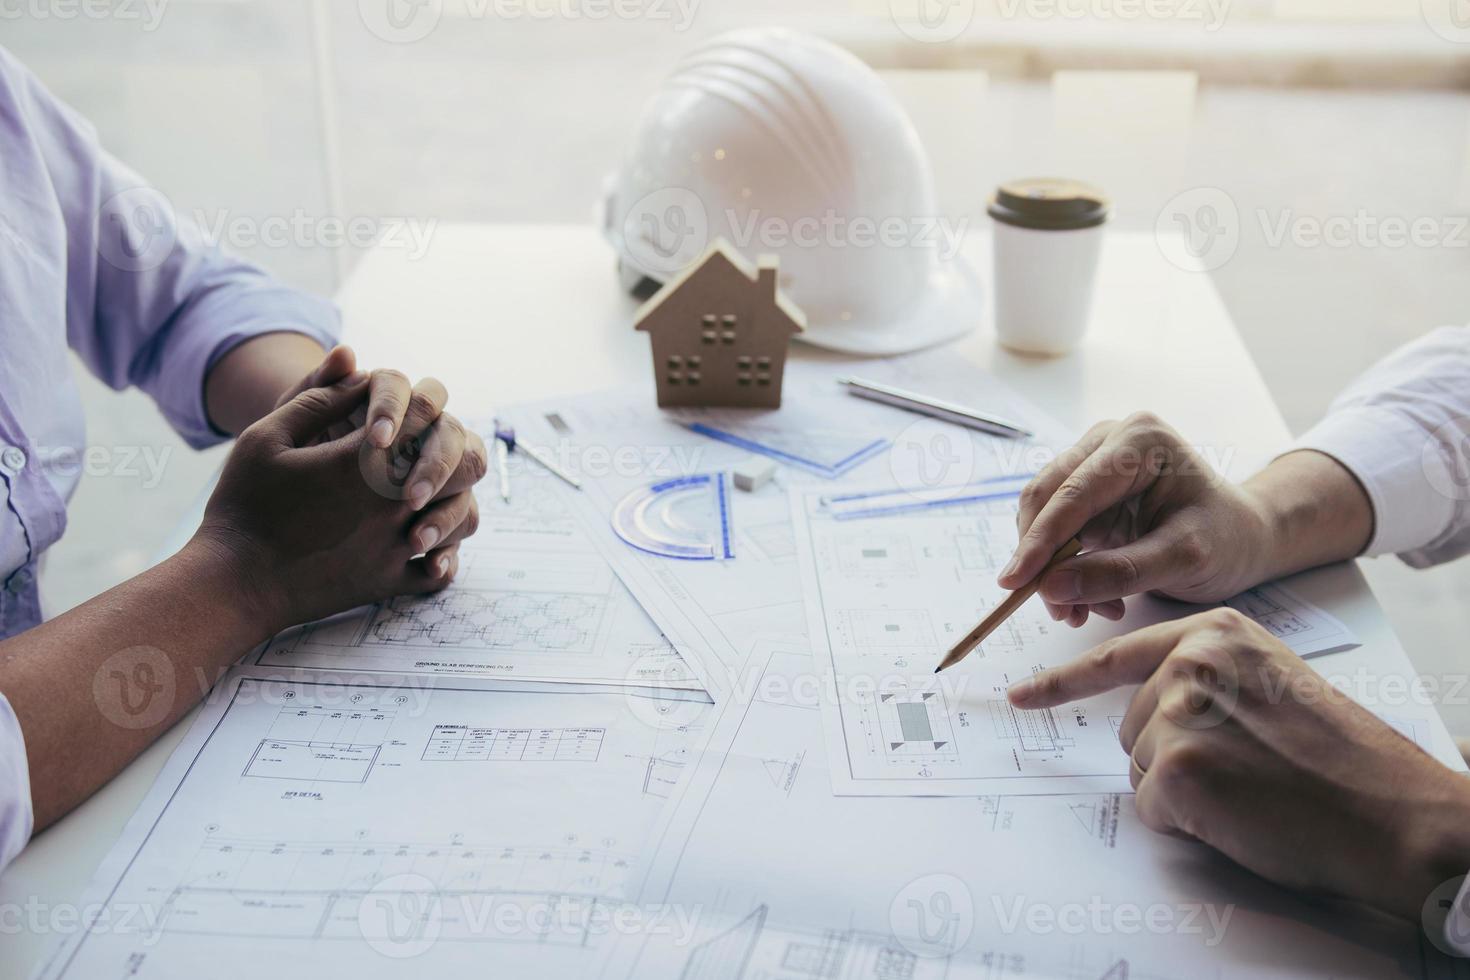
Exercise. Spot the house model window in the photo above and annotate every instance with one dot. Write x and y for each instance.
(684, 369)
(720, 331)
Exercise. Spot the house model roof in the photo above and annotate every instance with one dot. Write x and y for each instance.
(723, 250)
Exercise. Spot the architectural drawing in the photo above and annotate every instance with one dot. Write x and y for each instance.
(534, 600)
(885, 598)
(891, 634)
(341, 827)
(1099, 816)
(710, 610)
(1003, 887)
(1033, 731)
(311, 742)
(1306, 628)
(333, 762)
(750, 949)
(467, 743)
(911, 727)
(560, 622)
(1280, 620)
(273, 890)
(825, 440)
(884, 555)
(754, 949)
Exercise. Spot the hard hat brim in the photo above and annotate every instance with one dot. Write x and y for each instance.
(951, 306)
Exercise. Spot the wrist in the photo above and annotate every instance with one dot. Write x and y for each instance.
(1268, 531)
(250, 381)
(237, 572)
(1315, 512)
(1434, 847)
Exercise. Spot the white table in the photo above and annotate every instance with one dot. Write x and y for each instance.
(507, 313)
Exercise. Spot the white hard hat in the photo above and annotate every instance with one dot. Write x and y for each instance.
(785, 144)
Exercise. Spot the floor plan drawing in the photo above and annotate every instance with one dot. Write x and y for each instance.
(1033, 731)
(534, 600)
(339, 762)
(879, 888)
(751, 948)
(560, 622)
(271, 890)
(348, 825)
(886, 597)
(882, 555)
(889, 634)
(912, 727)
(665, 764)
(311, 742)
(1305, 627)
(893, 726)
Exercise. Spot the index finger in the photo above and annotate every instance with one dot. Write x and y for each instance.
(1125, 660)
(388, 397)
(340, 362)
(1098, 483)
(426, 404)
(1039, 490)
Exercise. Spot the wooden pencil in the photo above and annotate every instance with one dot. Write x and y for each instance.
(1006, 609)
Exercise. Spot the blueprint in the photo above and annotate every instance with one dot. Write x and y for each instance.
(713, 610)
(887, 596)
(1304, 626)
(534, 600)
(1058, 886)
(375, 829)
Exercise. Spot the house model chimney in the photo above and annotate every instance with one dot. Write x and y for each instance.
(768, 276)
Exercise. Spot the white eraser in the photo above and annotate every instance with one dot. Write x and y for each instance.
(754, 473)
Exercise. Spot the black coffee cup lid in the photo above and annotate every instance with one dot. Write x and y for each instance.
(1049, 203)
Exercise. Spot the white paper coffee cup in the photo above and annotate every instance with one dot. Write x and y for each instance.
(1048, 237)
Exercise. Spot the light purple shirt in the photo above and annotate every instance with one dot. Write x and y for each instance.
(94, 260)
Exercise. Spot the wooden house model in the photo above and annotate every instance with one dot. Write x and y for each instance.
(720, 331)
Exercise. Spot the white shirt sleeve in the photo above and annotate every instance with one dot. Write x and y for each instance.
(1403, 429)
(16, 818)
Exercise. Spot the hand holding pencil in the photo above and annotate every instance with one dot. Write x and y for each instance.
(1156, 517)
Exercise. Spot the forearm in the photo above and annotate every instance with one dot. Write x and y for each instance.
(94, 687)
(1316, 511)
(245, 385)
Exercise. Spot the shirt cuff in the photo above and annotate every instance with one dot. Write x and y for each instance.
(17, 819)
(1385, 451)
(201, 350)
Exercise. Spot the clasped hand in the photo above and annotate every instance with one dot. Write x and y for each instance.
(357, 488)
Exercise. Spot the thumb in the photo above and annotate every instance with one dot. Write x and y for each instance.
(339, 363)
(1157, 560)
(308, 415)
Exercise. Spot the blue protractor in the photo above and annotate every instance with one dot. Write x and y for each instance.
(686, 517)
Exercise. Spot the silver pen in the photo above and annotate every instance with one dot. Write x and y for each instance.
(502, 468)
(934, 408)
(506, 443)
(545, 459)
